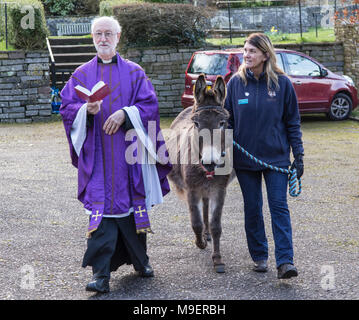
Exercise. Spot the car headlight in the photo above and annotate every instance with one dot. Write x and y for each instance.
(350, 80)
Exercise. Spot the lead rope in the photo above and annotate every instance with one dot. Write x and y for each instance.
(293, 181)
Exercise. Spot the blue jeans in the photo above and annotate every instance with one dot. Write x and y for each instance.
(277, 185)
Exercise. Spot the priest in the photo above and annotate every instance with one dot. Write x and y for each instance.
(121, 173)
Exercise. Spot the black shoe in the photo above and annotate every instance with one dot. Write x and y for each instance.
(286, 271)
(260, 266)
(100, 285)
(146, 272)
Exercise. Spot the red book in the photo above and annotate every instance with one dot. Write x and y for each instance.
(99, 91)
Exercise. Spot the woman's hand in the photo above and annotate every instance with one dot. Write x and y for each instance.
(298, 164)
(114, 122)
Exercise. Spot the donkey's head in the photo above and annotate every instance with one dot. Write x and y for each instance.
(210, 120)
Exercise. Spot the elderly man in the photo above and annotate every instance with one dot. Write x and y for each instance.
(116, 191)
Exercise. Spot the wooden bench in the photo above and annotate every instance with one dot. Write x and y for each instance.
(73, 29)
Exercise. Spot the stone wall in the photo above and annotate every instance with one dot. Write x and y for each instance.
(24, 77)
(166, 67)
(24, 86)
(349, 35)
(331, 55)
(284, 19)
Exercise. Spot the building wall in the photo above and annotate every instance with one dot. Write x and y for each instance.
(24, 86)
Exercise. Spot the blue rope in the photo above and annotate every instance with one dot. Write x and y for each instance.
(292, 173)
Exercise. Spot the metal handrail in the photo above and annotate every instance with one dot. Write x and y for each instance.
(52, 67)
(50, 51)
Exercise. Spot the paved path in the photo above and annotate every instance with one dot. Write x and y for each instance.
(42, 228)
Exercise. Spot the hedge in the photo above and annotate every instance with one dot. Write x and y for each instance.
(106, 7)
(154, 24)
(27, 24)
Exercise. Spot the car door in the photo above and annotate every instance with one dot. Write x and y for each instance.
(311, 87)
(280, 63)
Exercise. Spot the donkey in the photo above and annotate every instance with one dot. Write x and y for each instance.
(202, 169)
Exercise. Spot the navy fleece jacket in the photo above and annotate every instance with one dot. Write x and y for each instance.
(265, 123)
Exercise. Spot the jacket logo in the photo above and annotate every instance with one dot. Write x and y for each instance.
(271, 93)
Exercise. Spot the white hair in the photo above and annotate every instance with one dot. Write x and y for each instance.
(111, 20)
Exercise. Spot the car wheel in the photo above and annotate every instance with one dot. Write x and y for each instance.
(340, 107)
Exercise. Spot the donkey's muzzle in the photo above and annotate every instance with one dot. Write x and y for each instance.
(208, 167)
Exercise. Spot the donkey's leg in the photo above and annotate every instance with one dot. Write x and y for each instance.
(205, 218)
(216, 229)
(194, 202)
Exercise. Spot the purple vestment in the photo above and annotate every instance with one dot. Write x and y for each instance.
(112, 185)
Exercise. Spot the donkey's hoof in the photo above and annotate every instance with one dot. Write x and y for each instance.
(219, 268)
(201, 244)
(208, 237)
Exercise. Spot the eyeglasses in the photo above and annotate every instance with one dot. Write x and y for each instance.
(107, 34)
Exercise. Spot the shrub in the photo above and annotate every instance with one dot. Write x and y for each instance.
(59, 7)
(27, 24)
(86, 7)
(106, 7)
(153, 24)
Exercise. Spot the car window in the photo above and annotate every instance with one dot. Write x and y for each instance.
(301, 66)
(215, 64)
(280, 61)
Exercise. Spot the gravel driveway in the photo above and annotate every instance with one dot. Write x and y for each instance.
(42, 228)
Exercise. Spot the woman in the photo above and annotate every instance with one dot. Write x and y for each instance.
(265, 119)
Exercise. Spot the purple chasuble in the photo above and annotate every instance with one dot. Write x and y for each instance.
(107, 184)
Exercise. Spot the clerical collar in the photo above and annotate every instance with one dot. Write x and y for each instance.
(113, 60)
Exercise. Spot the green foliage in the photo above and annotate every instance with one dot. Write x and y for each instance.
(168, 1)
(27, 24)
(86, 7)
(3, 46)
(106, 7)
(152, 24)
(59, 7)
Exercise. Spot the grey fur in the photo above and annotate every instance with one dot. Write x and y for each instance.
(190, 179)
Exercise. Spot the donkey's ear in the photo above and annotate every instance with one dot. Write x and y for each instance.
(200, 88)
(220, 89)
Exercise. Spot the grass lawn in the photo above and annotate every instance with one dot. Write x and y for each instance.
(3, 46)
(324, 35)
(355, 113)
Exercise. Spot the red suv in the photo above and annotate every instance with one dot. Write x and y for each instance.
(318, 89)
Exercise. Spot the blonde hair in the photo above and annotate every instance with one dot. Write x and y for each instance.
(271, 70)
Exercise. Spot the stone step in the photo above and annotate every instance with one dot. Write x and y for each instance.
(68, 65)
(70, 53)
(73, 57)
(78, 48)
(61, 79)
(70, 41)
